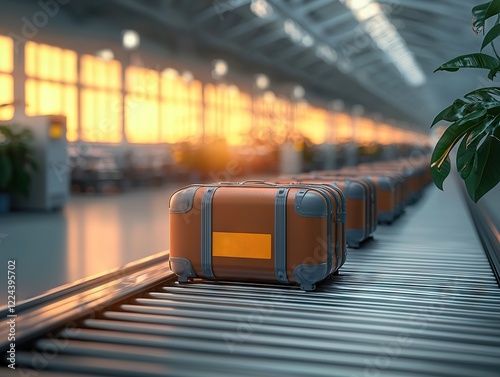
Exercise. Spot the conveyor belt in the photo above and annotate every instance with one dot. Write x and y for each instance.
(418, 300)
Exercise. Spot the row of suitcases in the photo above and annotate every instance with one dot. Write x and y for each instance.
(292, 229)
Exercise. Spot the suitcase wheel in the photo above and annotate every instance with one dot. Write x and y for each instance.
(308, 287)
(332, 275)
(182, 268)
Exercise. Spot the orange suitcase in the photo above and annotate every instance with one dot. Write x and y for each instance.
(257, 232)
(401, 191)
(388, 189)
(413, 173)
(359, 220)
(371, 195)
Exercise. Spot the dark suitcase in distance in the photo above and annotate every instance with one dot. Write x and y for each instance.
(257, 232)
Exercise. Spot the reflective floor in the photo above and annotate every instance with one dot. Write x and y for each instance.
(97, 233)
(93, 234)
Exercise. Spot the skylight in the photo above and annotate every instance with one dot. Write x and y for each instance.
(387, 38)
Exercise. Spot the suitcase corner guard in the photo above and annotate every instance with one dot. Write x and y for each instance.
(182, 268)
(310, 204)
(182, 200)
(355, 237)
(307, 275)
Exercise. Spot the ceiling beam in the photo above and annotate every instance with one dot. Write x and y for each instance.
(174, 20)
(434, 7)
(171, 19)
(307, 60)
(313, 5)
(218, 9)
(318, 35)
(291, 52)
(251, 24)
(267, 38)
(337, 20)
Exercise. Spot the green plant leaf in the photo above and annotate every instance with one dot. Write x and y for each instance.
(441, 116)
(483, 94)
(454, 112)
(491, 36)
(492, 107)
(465, 156)
(466, 153)
(16, 146)
(467, 169)
(440, 165)
(485, 127)
(20, 181)
(439, 175)
(486, 175)
(478, 17)
(31, 163)
(493, 72)
(489, 104)
(483, 12)
(5, 170)
(476, 60)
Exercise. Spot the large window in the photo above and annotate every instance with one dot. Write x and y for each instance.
(6, 80)
(273, 118)
(228, 113)
(384, 134)
(181, 108)
(142, 105)
(312, 123)
(238, 119)
(342, 124)
(51, 83)
(365, 131)
(101, 99)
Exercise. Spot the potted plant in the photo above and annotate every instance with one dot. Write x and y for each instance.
(16, 162)
(5, 176)
(475, 119)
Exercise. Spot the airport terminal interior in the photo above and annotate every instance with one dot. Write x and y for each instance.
(248, 188)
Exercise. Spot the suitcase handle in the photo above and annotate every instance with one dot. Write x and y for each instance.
(250, 181)
(258, 182)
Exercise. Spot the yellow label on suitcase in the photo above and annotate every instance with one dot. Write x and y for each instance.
(241, 245)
